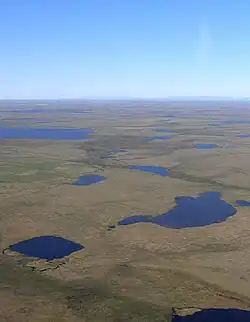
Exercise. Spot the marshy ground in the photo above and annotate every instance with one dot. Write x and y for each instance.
(135, 272)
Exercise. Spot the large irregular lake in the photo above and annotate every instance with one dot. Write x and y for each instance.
(215, 315)
(149, 168)
(204, 210)
(46, 247)
(44, 133)
(88, 179)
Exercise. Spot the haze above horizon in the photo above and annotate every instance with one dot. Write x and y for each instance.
(111, 49)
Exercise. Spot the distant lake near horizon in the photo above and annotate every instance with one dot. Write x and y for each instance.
(44, 133)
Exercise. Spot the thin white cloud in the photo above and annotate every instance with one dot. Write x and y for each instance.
(204, 45)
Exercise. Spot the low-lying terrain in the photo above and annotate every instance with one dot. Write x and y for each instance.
(137, 272)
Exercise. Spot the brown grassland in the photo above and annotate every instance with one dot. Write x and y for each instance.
(137, 272)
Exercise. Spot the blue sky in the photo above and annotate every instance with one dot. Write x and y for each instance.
(124, 48)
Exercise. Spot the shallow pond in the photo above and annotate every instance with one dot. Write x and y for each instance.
(150, 168)
(88, 179)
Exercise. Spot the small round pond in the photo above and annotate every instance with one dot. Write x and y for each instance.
(46, 247)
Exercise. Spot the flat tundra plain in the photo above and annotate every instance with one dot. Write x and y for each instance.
(136, 272)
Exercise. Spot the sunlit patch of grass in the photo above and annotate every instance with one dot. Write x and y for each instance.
(26, 170)
(32, 169)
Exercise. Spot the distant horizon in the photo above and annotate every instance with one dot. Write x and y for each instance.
(170, 98)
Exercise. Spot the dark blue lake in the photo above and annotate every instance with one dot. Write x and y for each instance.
(44, 133)
(46, 247)
(215, 315)
(150, 168)
(204, 210)
(243, 203)
(206, 146)
(164, 131)
(88, 179)
(160, 137)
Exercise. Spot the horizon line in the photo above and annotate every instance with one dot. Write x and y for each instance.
(115, 98)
